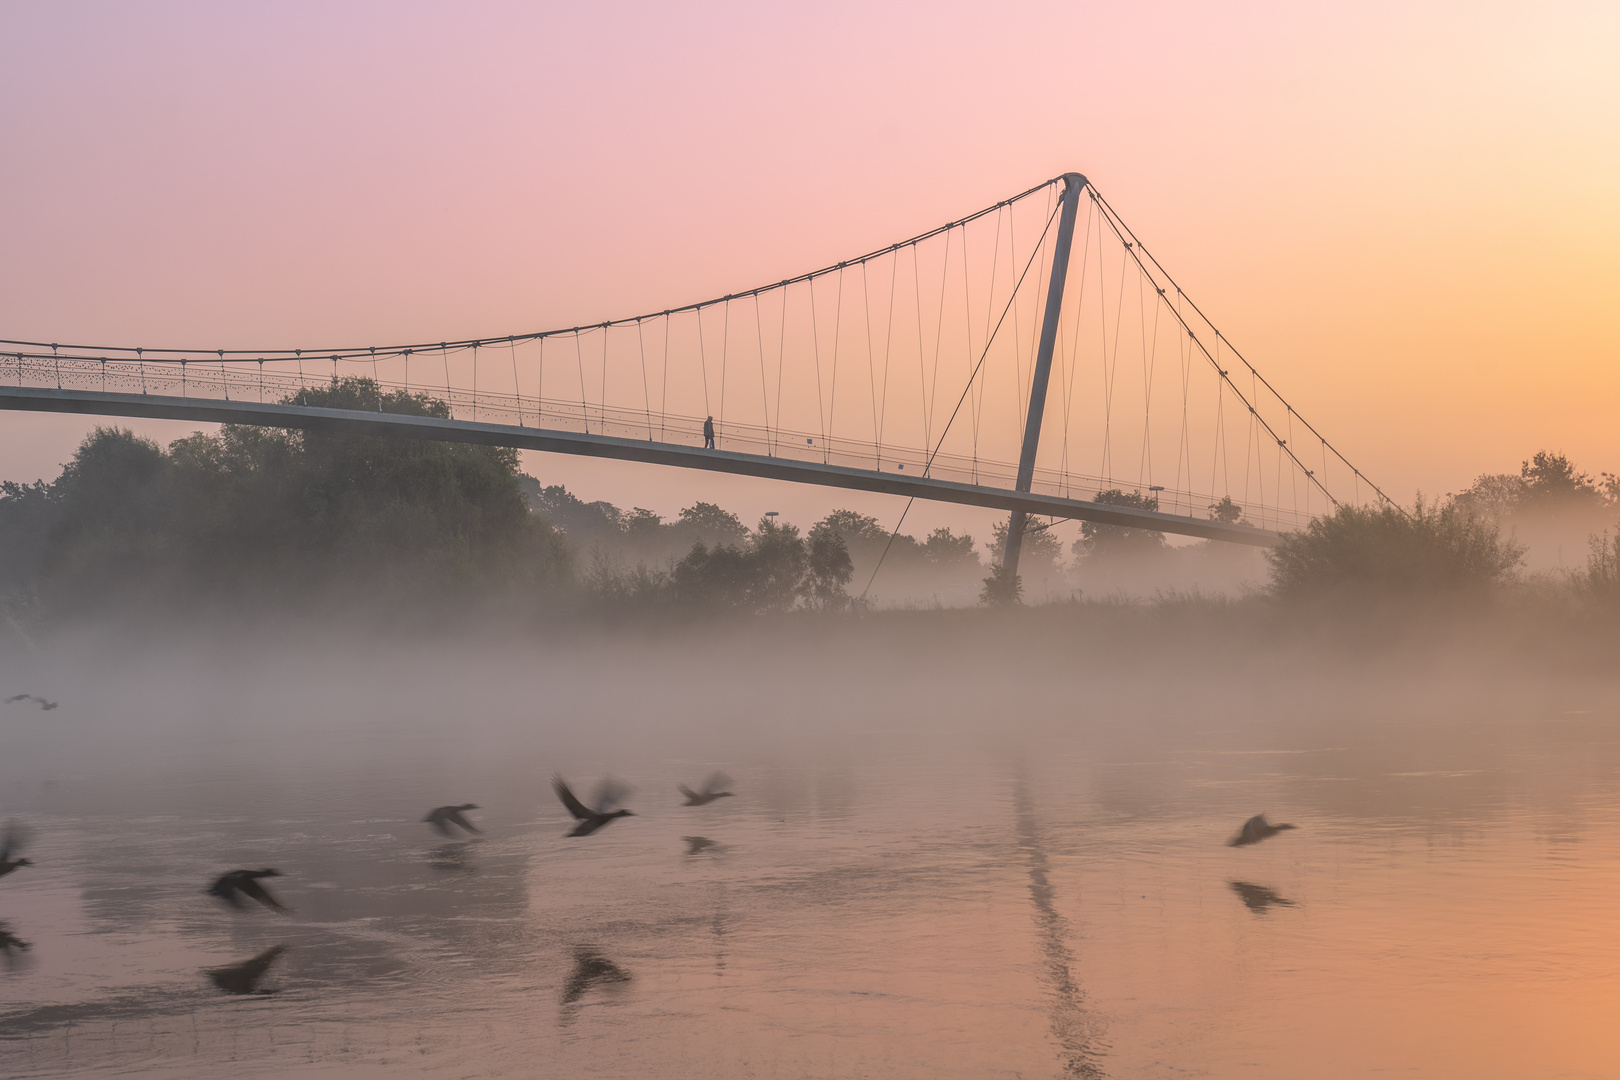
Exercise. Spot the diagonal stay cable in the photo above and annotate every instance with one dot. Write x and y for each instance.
(946, 430)
(1135, 246)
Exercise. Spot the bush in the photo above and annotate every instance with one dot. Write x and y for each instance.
(1430, 549)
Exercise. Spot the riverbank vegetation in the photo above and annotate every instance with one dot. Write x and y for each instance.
(250, 519)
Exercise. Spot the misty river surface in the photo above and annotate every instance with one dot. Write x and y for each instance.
(925, 871)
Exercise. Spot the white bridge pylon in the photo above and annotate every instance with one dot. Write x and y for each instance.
(1032, 357)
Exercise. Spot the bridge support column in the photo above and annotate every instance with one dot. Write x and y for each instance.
(1073, 183)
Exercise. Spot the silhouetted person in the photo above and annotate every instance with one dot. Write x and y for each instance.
(47, 706)
(239, 883)
(591, 968)
(710, 791)
(243, 978)
(1257, 898)
(708, 434)
(445, 816)
(590, 820)
(695, 844)
(14, 840)
(1255, 830)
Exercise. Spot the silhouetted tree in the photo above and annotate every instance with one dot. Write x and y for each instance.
(1225, 510)
(1001, 588)
(1431, 549)
(828, 570)
(948, 551)
(1098, 540)
(1038, 556)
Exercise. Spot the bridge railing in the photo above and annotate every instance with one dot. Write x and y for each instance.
(272, 383)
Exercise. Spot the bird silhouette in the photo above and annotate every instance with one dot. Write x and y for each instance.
(1255, 830)
(695, 844)
(590, 820)
(591, 968)
(10, 943)
(710, 791)
(1257, 898)
(441, 818)
(14, 840)
(243, 978)
(47, 706)
(239, 883)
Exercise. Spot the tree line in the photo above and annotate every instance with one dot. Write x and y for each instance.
(300, 517)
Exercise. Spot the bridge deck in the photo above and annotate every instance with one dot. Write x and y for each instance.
(42, 399)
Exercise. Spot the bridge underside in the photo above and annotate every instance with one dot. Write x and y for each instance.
(35, 399)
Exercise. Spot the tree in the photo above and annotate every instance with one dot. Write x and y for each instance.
(1002, 588)
(712, 525)
(1550, 478)
(1384, 550)
(1225, 510)
(1097, 540)
(828, 571)
(946, 550)
(1039, 554)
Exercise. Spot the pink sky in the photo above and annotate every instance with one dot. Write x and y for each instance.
(1405, 214)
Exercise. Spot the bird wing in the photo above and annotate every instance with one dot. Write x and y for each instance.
(718, 782)
(575, 807)
(18, 697)
(261, 894)
(226, 889)
(688, 792)
(13, 840)
(610, 793)
(460, 819)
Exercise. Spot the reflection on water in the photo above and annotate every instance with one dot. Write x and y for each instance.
(591, 970)
(244, 978)
(1258, 898)
(903, 883)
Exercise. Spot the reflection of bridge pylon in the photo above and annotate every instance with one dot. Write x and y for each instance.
(1172, 430)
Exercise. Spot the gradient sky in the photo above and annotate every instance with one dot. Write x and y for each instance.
(1407, 215)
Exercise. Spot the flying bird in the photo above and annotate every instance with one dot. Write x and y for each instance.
(239, 883)
(14, 840)
(10, 943)
(711, 790)
(590, 820)
(47, 706)
(591, 968)
(1255, 830)
(243, 978)
(1257, 898)
(445, 816)
(695, 844)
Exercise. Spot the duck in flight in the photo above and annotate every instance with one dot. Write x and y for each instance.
(243, 978)
(1255, 830)
(47, 706)
(10, 844)
(710, 792)
(695, 844)
(10, 943)
(239, 883)
(590, 820)
(441, 818)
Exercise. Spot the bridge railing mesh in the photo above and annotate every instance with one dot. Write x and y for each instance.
(272, 383)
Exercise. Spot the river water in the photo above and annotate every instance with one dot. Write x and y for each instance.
(925, 871)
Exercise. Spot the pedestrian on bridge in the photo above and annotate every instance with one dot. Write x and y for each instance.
(708, 434)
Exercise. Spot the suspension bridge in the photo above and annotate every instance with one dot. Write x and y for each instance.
(1032, 357)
